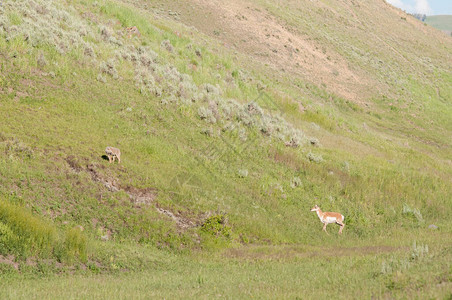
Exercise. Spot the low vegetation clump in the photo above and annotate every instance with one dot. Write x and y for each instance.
(217, 225)
(15, 149)
(24, 235)
(296, 182)
(73, 247)
(315, 157)
(412, 212)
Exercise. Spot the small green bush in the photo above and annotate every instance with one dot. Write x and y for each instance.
(216, 225)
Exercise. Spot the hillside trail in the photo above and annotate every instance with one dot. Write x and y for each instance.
(283, 252)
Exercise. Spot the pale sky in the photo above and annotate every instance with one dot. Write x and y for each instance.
(428, 7)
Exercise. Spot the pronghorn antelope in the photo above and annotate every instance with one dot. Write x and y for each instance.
(113, 153)
(329, 217)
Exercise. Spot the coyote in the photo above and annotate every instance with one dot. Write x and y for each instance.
(113, 153)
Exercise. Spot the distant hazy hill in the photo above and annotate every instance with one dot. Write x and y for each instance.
(443, 22)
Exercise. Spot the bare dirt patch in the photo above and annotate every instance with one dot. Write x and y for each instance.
(140, 197)
(9, 260)
(181, 221)
(72, 162)
(253, 31)
(109, 182)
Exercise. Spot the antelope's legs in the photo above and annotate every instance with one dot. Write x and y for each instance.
(342, 227)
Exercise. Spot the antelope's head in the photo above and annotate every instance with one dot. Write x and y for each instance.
(315, 208)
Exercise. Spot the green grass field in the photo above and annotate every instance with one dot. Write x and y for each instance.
(223, 156)
(293, 271)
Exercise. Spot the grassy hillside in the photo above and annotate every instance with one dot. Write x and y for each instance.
(231, 127)
(441, 22)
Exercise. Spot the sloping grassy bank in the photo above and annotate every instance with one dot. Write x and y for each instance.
(214, 156)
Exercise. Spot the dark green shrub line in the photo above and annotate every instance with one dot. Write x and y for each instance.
(24, 235)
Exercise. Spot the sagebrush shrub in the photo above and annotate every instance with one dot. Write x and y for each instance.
(315, 157)
(89, 51)
(108, 67)
(244, 116)
(412, 212)
(49, 22)
(243, 173)
(41, 60)
(105, 32)
(211, 89)
(15, 149)
(296, 182)
(314, 141)
(296, 139)
(43, 23)
(101, 78)
(166, 44)
(206, 114)
(254, 109)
